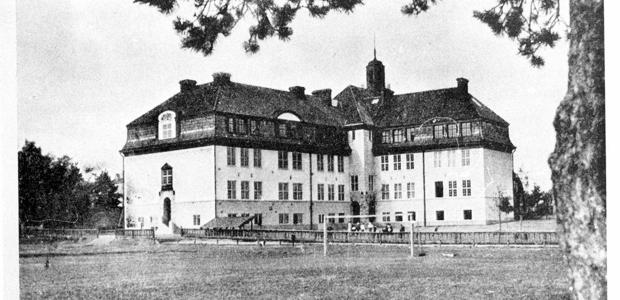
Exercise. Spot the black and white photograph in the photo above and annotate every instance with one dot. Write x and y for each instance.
(305, 149)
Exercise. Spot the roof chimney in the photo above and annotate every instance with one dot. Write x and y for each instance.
(462, 84)
(298, 91)
(187, 85)
(221, 78)
(325, 95)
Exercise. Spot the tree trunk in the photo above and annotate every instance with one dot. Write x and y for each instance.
(578, 161)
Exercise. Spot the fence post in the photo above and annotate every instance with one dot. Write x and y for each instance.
(97, 232)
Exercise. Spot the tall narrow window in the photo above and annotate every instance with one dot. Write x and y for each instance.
(320, 162)
(438, 189)
(283, 191)
(245, 157)
(258, 219)
(330, 192)
(385, 191)
(437, 157)
(453, 130)
(371, 183)
(385, 137)
(232, 189)
(321, 218)
(341, 192)
(439, 131)
(283, 160)
(330, 163)
(320, 191)
(297, 191)
(385, 162)
(398, 191)
(230, 155)
(397, 165)
(258, 158)
(451, 158)
(167, 125)
(386, 217)
(242, 126)
(410, 190)
(452, 188)
(245, 190)
(254, 128)
(354, 183)
(465, 158)
(230, 125)
(399, 135)
(340, 163)
(411, 134)
(466, 187)
(258, 190)
(409, 158)
(466, 129)
(166, 178)
(297, 165)
(196, 220)
(353, 135)
(283, 218)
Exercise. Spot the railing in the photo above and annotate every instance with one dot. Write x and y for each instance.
(134, 233)
(55, 232)
(486, 238)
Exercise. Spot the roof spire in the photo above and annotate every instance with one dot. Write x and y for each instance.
(374, 44)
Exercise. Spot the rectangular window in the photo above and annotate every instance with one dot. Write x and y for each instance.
(166, 179)
(232, 215)
(230, 154)
(167, 131)
(331, 220)
(386, 217)
(321, 219)
(411, 134)
(371, 183)
(439, 131)
(385, 137)
(232, 189)
(245, 157)
(283, 191)
(410, 190)
(330, 192)
(340, 220)
(340, 163)
(258, 219)
(282, 129)
(297, 191)
(283, 218)
(283, 160)
(341, 192)
(319, 162)
(467, 214)
(354, 183)
(320, 191)
(466, 129)
(258, 158)
(245, 190)
(438, 189)
(385, 162)
(465, 158)
(241, 126)
(466, 187)
(196, 220)
(411, 216)
(330, 163)
(439, 215)
(385, 191)
(297, 161)
(437, 159)
(398, 136)
(397, 162)
(398, 191)
(409, 158)
(453, 130)
(254, 129)
(258, 190)
(451, 158)
(298, 218)
(230, 125)
(452, 188)
(398, 216)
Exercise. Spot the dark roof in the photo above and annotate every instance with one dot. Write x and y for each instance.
(243, 99)
(228, 222)
(355, 105)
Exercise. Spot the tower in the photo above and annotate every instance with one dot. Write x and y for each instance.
(375, 75)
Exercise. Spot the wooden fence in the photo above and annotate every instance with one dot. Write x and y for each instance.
(474, 238)
(73, 233)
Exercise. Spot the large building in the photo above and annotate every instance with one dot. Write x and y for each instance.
(226, 149)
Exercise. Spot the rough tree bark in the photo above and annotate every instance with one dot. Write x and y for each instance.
(578, 161)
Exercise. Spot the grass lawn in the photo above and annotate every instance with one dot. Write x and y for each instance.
(169, 271)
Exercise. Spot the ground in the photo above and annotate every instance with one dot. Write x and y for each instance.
(139, 269)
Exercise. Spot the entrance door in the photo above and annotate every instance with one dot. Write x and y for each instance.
(355, 209)
(167, 212)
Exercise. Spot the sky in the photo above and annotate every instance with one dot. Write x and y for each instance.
(85, 69)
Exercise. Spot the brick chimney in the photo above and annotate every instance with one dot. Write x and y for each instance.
(462, 84)
(187, 85)
(325, 95)
(298, 91)
(221, 78)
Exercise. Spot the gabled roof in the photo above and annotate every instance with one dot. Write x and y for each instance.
(355, 107)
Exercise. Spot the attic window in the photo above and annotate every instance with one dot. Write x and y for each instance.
(167, 125)
(289, 117)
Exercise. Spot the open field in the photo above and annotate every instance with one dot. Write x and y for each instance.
(132, 270)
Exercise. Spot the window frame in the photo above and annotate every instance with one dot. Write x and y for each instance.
(298, 191)
(320, 191)
(231, 156)
(398, 191)
(258, 190)
(397, 162)
(245, 190)
(452, 188)
(466, 184)
(341, 192)
(385, 192)
(283, 191)
(409, 161)
(440, 215)
(232, 189)
(330, 192)
(439, 189)
(297, 160)
(258, 158)
(283, 160)
(244, 157)
(166, 178)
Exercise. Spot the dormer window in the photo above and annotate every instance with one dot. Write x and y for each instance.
(167, 125)
(166, 178)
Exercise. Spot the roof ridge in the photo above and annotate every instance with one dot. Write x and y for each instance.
(427, 91)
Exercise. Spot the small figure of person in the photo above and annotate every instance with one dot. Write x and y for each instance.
(362, 228)
(402, 228)
(389, 228)
(371, 227)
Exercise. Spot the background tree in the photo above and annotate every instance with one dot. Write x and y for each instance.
(519, 193)
(502, 205)
(579, 159)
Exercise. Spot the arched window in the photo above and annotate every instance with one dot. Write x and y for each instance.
(167, 125)
(289, 117)
(166, 178)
